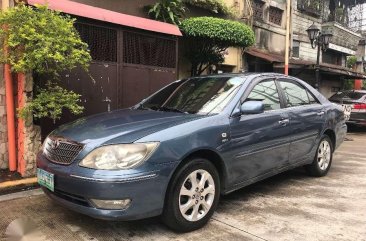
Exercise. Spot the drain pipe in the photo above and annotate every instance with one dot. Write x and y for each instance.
(10, 113)
(287, 50)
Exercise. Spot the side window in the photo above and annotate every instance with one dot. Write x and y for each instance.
(266, 91)
(295, 95)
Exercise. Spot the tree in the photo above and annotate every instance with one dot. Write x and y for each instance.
(46, 43)
(207, 39)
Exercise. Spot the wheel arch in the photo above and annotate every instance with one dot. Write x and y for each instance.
(331, 134)
(212, 156)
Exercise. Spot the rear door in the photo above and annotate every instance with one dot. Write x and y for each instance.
(260, 142)
(307, 119)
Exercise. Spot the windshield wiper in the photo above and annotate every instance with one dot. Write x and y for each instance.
(166, 108)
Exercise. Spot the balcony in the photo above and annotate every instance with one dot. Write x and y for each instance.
(344, 40)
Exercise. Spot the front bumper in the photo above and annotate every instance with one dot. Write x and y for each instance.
(146, 191)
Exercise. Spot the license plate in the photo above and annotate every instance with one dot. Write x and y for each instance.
(347, 109)
(45, 179)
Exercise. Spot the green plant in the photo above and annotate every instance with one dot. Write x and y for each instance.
(169, 11)
(351, 61)
(214, 6)
(51, 101)
(207, 39)
(46, 43)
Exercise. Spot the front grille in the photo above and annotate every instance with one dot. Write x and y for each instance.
(61, 151)
(69, 197)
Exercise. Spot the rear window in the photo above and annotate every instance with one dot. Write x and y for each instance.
(348, 95)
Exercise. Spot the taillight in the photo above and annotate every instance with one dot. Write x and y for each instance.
(359, 106)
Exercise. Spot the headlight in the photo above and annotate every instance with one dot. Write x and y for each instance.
(116, 157)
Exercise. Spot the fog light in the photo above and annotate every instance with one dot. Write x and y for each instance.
(111, 204)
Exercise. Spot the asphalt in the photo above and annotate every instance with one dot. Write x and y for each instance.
(289, 206)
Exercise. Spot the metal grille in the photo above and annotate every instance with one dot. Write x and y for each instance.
(102, 42)
(275, 15)
(258, 9)
(147, 50)
(61, 151)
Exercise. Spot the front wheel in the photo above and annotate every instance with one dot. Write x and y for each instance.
(323, 158)
(192, 196)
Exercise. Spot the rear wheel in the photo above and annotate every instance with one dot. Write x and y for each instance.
(192, 196)
(323, 158)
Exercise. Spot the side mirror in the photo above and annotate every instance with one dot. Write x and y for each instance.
(252, 107)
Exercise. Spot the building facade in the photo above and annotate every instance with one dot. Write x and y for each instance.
(335, 16)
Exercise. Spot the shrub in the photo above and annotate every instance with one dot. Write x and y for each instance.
(169, 11)
(44, 42)
(209, 37)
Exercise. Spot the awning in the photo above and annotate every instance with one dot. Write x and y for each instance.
(279, 63)
(104, 15)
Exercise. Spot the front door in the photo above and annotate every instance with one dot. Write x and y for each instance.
(260, 142)
(307, 119)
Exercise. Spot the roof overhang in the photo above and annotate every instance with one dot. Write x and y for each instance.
(278, 62)
(87, 11)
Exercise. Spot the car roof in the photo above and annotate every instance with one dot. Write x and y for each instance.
(241, 74)
(357, 91)
(245, 74)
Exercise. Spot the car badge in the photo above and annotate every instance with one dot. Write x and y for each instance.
(55, 144)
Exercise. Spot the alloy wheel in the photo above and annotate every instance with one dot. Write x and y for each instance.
(196, 195)
(324, 155)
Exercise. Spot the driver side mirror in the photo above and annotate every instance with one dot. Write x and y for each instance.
(252, 107)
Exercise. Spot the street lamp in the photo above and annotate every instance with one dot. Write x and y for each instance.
(320, 40)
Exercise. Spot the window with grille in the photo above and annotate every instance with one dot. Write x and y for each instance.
(258, 9)
(296, 49)
(102, 42)
(147, 50)
(275, 15)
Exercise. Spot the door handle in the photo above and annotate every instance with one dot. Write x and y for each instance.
(284, 122)
(320, 113)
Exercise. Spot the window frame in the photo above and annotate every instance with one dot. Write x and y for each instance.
(308, 92)
(251, 86)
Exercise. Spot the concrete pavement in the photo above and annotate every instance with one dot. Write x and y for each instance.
(289, 206)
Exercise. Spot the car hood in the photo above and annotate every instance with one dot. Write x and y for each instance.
(121, 126)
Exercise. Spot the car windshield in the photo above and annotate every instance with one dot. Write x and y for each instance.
(195, 96)
(353, 95)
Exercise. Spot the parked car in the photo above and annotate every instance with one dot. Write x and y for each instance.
(354, 105)
(178, 150)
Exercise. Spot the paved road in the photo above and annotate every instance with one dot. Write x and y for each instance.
(289, 206)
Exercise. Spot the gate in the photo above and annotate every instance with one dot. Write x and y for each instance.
(128, 65)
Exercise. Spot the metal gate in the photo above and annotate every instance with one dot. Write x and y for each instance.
(128, 65)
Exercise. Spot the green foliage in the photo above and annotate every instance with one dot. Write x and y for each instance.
(214, 6)
(41, 40)
(207, 39)
(44, 42)
(51, 101)
(351, 61)
(169, 11)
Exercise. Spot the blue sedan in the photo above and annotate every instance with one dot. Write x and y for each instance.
(178, 150)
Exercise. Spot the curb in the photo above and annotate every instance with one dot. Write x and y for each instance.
(21, 194)
(15, 183)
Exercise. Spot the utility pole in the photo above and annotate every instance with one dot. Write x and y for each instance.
(288, 22)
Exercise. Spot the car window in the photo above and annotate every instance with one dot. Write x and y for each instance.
(350, 94)
(266, 91)
(201, 95)
(295, 94)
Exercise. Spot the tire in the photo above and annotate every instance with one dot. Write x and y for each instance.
(323, 158)
(197, 205)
